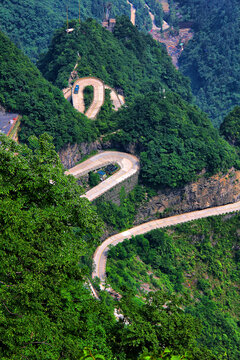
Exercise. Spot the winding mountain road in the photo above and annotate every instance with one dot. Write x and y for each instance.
(100, 256)
(98, 96)
(129, 165)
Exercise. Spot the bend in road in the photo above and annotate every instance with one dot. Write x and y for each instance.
(133, 13)
(129, 165)
(116, 99)
(100, 256)
(98, 96)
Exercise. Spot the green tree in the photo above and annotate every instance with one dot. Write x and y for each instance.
(45, 228)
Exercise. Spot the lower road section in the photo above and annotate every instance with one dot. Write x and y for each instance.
(100, 256)
(129, 165)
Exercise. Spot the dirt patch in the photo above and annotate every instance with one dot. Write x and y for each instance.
(174, 42)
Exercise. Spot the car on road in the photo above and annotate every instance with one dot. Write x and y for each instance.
(76, 89)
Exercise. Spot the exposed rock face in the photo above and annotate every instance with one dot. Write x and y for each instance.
(217, 190)
(72, 154)
(206, 192)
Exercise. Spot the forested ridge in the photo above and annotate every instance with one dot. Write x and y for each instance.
(212, 58)
(174, 140)
(128, 60)
(30, 24)
(24, 90)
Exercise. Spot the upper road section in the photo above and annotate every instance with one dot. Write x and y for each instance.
(129, 165)
(98, 96)
(100, 256)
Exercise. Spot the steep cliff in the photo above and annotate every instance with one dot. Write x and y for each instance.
(207, 192)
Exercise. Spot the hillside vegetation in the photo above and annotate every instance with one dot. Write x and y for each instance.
(127, 60)
(47, 310)
(212, 58)
(31, 24)
(175, 140)
(199, 261)
(230, 127)
(24, 90)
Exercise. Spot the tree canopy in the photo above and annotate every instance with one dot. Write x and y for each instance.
(230, 127)
(212, 58)
(24, 90)
(128, 60)
(175, 140)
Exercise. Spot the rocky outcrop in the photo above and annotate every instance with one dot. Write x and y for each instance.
(72, 154)
(206, 192)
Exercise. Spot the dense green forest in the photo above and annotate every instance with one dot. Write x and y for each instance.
(24, 90)
(198, 261)
(212, 58)
(230, 127)
(175, 140)
(30, 24)
(46, 308)
(127, 60)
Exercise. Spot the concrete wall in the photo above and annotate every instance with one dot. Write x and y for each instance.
(114, 193)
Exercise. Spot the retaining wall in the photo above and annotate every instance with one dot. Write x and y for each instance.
(114, 193)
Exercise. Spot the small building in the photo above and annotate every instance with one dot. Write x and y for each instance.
(109, 24)
(110, 169)
(102, 174)
(7, 122)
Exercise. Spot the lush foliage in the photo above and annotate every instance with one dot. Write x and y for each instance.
(230, 127)
(198, 260)
(24, 90)
(122, 217)
(45, 228)
(212, 58)
(127, 60)
(39, 19)
(174, 139)
(46, 308)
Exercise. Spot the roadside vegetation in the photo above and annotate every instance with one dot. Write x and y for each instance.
(174, 140)
(198, 261)
(88, 95)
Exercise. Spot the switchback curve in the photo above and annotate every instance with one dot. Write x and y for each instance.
(98, 96)
(129, 165)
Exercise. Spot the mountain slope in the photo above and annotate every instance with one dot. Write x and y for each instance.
(175, 140)
(212, 58)
(30, 24)
(25, 91)
(127, 60)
